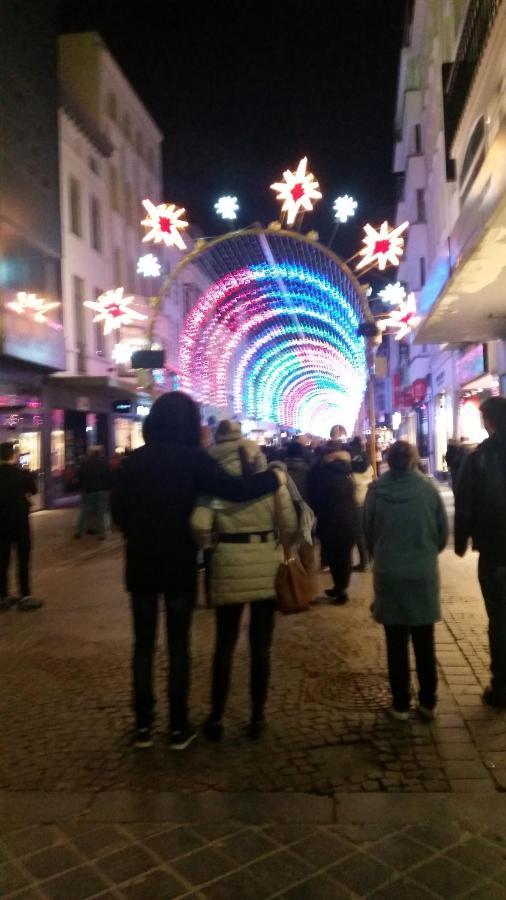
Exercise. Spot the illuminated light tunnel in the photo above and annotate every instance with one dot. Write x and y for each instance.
(275, 335)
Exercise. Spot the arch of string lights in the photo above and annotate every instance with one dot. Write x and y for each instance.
(276, 332)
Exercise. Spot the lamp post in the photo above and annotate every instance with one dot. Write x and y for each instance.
(373, 336)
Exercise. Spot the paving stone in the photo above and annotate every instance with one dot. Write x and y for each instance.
(318, 888)
(247, 846)
(445, 877)
(101, 841)
(238, 885)
(486, 891)
(177, 842)
(479, 855)
(436, 835)
(288, 834)
(77, 884)
(360, 873)
(156, 885)
(322, 849)
(402, 889)
(28, 840)
(400, 852)
(203, 866)
(279, 871)
(125, 864)
(52, 861)
(465, 769)
(472, 785)
(11, 879)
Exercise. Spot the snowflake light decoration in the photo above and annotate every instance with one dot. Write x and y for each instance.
(393, 294)
(402, 320)
(344, 207)
(165, 224)
(148, 266)
(227, 207)
(382, 246)
(297, 191)
(32, 305)
(114, 310)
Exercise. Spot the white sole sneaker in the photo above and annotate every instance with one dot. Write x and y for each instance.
(398, 716)
(426, 714)
(183, 742)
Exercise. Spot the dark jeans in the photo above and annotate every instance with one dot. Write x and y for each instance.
(93, 505)
(492, 577)
(361, 544)
(23, 545)
(422, 637)
(261, 626)
(179, 609)
(339, 560)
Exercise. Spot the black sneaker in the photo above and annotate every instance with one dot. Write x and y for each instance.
(340, 599)
(493, 698)
(213, 730)
(27, 604)
(255, 729)
(143, 738)
(331, 592)
(7, 603)
(181, 739)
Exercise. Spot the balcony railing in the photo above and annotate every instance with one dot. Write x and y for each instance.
(459, 75)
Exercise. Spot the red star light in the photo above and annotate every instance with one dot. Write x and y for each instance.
(297, 191)
(165, 224)
(403, 319)
(114, 310)
(382, 246)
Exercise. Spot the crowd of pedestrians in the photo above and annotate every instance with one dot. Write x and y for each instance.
(183, 491)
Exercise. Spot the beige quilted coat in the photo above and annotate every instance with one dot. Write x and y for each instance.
(241, 573)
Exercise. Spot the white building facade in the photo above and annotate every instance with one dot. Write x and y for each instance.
(450, 156)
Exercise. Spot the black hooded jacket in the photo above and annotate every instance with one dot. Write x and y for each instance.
(332, 497)
(480, 501)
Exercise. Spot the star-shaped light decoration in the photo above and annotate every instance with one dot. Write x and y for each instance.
(227, 207)
(393, 294)
(114, 310)
(165, 224)
(402, 320)
(344, 207)
(382, 246)
(32, 305)
(297, 191)
(148, 266)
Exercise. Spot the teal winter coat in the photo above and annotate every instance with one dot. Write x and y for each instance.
(406, 528)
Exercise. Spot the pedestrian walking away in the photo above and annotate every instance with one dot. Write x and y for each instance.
(95, 479)
(244, 562)
(16, 486)
(153, 497)
(362, 475)
(406, 528)
(480, 516)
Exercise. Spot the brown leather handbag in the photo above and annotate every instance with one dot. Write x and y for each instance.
(294, 590)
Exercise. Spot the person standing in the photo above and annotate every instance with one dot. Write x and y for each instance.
(244, 563)
(95, 484)
(152, 501)
(297, 466)
(480, 516)
(362, 475)
(16, 485)
(332, 497)
(406, 528)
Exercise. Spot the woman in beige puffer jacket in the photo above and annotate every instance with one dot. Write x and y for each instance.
(245, 559)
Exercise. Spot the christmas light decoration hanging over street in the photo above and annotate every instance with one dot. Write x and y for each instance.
(344, 207)
(402, 320)
(393, 294)
(227, 207)
(382, 246)
(36, 307)
(165, 224)
(114, 310)
(148, 266)
(297, 191)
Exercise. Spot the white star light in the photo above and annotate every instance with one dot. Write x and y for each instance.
(114, 310)
(164, 223)
(402, 320)
(32, 305)
(227, 207)
(297, 190)
(393, 294)
(344, 207)
(382, 246)
(148, 266)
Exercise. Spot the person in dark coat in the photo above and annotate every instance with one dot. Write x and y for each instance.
(152, 501)
(480, 516)
(406, 528)
(455, 456)
(16, 485)
(95, 483)
(296, 461)
(332, 497)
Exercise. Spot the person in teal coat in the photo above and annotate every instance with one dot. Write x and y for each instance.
(406, 528)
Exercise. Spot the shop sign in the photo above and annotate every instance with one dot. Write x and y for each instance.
(125, 407)
(419, 390)
(472, 364)
(407, 397)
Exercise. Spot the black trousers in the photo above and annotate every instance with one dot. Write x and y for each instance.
(339, 558)
(22, 544)
(422, 637)
(179, 610)
(361, 544)
(261, 627)
(492, 577)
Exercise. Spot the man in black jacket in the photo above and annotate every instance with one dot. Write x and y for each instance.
(152, 500)
(480, 514)
(15, 486)
(94, 483)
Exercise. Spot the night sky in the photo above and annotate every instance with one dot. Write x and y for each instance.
(243, 89)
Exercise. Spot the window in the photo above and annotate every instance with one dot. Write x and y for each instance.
(420, 205)
(95, 223)
(117, 267)
(114, 188)
(473, 157)
(423, 273)
(80, 332)
(112, 106)
(139, 144)
(418, 138)
(98, 330)
(75, 206)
